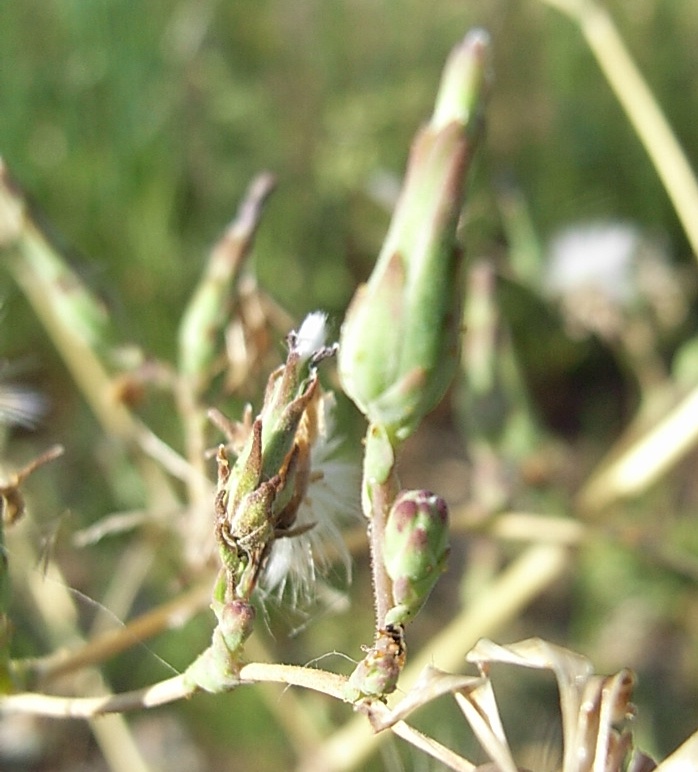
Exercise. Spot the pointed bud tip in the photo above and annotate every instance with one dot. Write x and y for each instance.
(464, 82)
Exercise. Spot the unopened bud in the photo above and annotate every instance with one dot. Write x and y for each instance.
(216, 669)
(378, 672)
(415, 551)
(399, 342)
(235, 623)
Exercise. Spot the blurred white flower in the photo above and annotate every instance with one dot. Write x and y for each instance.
(601, 273)
(596, 256)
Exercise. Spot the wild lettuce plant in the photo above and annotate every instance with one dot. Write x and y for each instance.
(266, 526)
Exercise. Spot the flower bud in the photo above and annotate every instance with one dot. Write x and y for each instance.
(378, 672)
(235, 623)
(399, 341)
(415, 551)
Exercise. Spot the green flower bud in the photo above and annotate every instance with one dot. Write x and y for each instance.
(209, 308)
(378, 672)
(399, 341)
(415, 552)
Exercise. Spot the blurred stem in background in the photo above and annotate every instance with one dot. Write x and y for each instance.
(640, 105)
(645, 453)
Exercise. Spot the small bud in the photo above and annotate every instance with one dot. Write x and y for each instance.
(235, 623)
(416, 549)
(399, 341)
(378, 672)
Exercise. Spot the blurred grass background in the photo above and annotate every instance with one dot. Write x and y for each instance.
(137, 129)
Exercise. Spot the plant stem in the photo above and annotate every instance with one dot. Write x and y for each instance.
(167, 691)
(88, 707)
(380, 486)
(100, 648)
(178, 687)
(383, 496)
(644, 114)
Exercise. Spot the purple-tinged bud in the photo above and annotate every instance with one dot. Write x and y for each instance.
(235, 623)
(415, 550)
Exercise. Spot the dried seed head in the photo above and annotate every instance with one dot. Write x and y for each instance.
(265, 517)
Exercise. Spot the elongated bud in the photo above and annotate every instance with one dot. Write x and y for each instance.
(416, 549)
(399, 341)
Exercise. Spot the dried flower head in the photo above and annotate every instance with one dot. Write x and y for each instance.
(595, 708)
(277, 505)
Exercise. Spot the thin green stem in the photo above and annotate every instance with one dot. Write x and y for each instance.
(380, 486)
(382, 497)
(179, 687)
